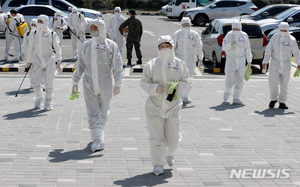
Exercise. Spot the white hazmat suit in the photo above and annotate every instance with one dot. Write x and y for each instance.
(188, 47)
(237, 47)
(8, 35)
(163, 117)
(77, 24)
(280, 50)
(101, 63)
(17, 37)
(113, 28)
(28, 36)
(42, 56)
(58, 24)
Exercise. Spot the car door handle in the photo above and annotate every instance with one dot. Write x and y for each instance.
(188, 7)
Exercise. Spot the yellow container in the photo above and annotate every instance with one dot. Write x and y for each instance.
(22, 28)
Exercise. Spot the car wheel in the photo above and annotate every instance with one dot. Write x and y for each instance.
(200, 20)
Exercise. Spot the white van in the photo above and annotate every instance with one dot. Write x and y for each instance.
(62, 5)
(175, 8)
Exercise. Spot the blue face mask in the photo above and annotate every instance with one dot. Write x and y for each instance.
(94, 33)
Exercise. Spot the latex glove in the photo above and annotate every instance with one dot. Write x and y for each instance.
(160, 89)
(116, 90)
(264, 70)
(75, 88)
(249, 63)
(56, 29)
(58, 66)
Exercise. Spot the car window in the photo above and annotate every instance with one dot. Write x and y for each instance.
(17, 3)
(42, 2)
(215, 28)
(234, 3)
(296, 17)
(60, 5)
(276, 10)
(240, 3)
(221, 4)
(203, 2)
(178, 2)
(208, 29)
(287, 12)
(253, 31)
(29, 11)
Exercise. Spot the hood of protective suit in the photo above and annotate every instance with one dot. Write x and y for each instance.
(238, 25)
(188, 21)
(101, 27)
(33, 21)
(57, 13)
(284, 26)
(74, 10)
(117, 8)
(165, 55)
(43, 26)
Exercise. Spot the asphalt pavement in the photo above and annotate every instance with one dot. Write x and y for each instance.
(52, 148)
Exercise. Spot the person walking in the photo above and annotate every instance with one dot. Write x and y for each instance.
(279, 51)
(59, 25)
(4, 20)
(101, 63)
(188, 47)
(237, 47)
(44, 51)
(163, 115)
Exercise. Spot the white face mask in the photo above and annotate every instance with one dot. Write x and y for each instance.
(41, 26)
(58, 18)
(165, 53)
(186, 29)
(117, 14)
(236, 32)
(283, 33)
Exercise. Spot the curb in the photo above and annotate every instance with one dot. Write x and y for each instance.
(8, 69)
(214, 70)
(143, 13)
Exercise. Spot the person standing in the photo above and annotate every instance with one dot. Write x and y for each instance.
(163, 115)
(134, 36)
(8, 35)
(58, 24)
(44, 51)
(113, 28)
(77, 25)
(100, 61)
(188, 47)
(237, 47)
(280, 50)
(17, 18)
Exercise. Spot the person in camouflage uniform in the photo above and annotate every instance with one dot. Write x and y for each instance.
(134, 36)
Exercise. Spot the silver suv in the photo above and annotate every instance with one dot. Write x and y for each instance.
(213, 35)
(219, 9)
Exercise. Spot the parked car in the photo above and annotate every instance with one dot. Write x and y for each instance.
(62, 5)
(33, 11)
(176, 8)
(219, 9)
(292, 16)
(294, 31)
(268, 11)
(213, 35)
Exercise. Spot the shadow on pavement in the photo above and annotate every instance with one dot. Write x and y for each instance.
(147, 179)
(59, 156)
(226, 106)
(30, 113)
(23, 91)
(271, 112)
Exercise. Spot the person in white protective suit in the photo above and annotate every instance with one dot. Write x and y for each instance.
(188, 47)
(27, 37)
(100, 61)
(58, 24)
(16, 19)
(237, 47)
(43, 52)
(77, 25)
(8, 35)
(162, 115)
(280, 50)
(113, 28)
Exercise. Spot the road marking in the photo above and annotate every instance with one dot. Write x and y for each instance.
(150, 33)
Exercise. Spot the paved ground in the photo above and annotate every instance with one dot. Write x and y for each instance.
(39, 148)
